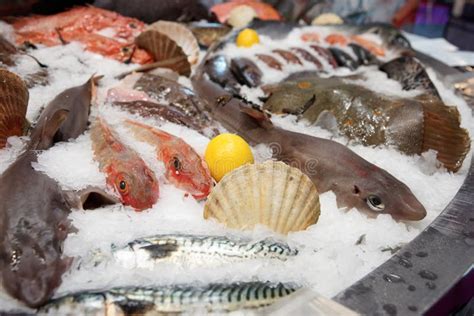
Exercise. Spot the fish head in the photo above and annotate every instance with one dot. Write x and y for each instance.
(375, 192)
(135, 183)
(34, 271)
(187, 170)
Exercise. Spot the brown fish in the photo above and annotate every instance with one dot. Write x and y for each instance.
(330, 165)
(126, 173)
(13, 103)
(77, 101)
(33, 223)
(412, 125)
(7, 52)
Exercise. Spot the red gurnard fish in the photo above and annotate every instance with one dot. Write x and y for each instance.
(185, 169)
(126, 172)
(101, 31)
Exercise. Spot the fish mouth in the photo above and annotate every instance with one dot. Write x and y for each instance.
(411, 210)
(202, 195)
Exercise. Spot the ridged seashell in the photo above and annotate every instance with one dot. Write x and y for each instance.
(181, 35)
(13, 104)
(272, 194)
(165, 51)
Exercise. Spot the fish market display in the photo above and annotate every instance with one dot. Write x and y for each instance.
(13, 104)
(33, 229)
(184, 167)
(127, 173)
(173, 299)
(198, 250)
(335, 125)
(330, 165)
(272, 194)
(412, 125)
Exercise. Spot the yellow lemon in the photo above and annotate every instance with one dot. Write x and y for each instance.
(247, 38)
(226, 152)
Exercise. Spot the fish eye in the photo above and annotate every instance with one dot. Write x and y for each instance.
(176, 163)
(375, 203)
(122, 185)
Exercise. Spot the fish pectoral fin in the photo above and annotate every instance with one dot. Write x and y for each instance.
(93, 197)
(328, 121)
(259, 116)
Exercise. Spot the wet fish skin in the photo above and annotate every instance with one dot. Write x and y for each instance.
(126, 173)
(185, 169)
(198, 250)
(410, 73)
(162, 89)
(171, 299)
(412, 125)
(330, 165)
(32, 229)
(77, 100)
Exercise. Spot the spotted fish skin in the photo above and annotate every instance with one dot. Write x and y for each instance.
(170, 299)
(199, 250)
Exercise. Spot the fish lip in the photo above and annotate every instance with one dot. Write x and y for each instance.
(201, 196)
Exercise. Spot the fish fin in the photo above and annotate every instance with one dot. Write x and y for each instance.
(135, 126)
(443, 133)
(259, 116)
(328, 121)
(91, 198)
(94, 81)
(42, 136)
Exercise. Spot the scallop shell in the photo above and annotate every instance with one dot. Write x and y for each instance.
(272, 194)
(181, 35)
(166, 52)
(13, 104)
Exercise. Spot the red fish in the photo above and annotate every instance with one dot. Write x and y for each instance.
(184, 167)
(101, 31)
(126, 172)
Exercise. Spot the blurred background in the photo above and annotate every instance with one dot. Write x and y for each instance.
(449, 19)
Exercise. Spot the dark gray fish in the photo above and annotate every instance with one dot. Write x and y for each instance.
(343, 59)
(176, 95)
(330, 165)
(33, 223)
(410, 73)
(246, 72)
(174, 299)
(77, 101)
(364, 57)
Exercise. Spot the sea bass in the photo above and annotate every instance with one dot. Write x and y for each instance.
(330, 165)
(33, 223)
(13, 104)
(185, 169)
(196, 250)
(176, 299)
(127, 174)
(412, 125)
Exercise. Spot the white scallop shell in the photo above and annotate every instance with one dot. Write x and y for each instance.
(272, 194)
(181, 35)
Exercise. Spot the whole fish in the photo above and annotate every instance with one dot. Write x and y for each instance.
(176, 299)
(412, 125)
(197, 250)
(185, 169)
(170, 92)
(126, 173)
(13, 104)
(77, 101)
(33, 223)
(330, 165)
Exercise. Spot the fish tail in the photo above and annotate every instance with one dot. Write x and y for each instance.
(442, 133)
